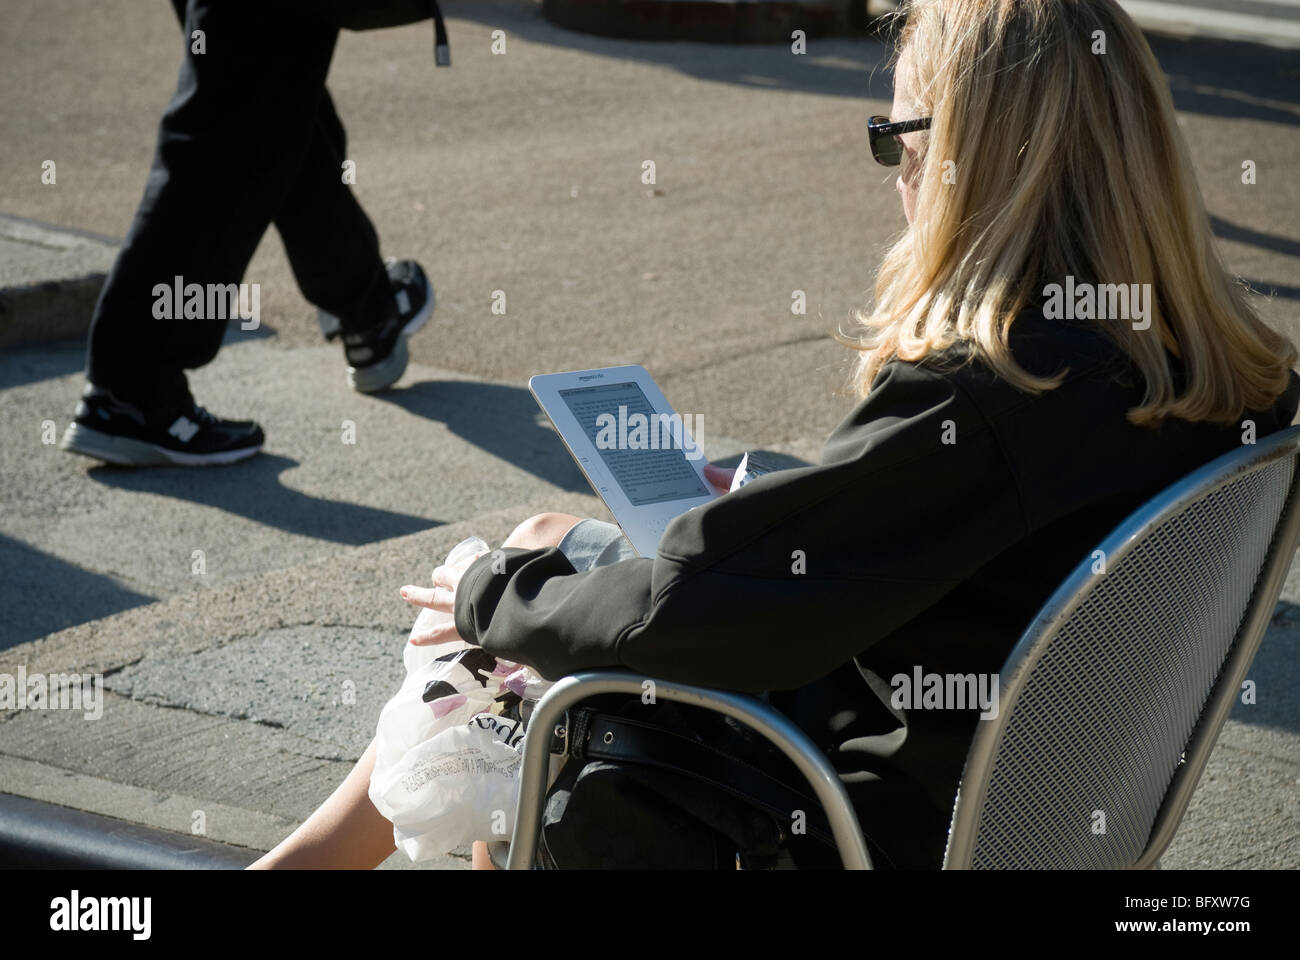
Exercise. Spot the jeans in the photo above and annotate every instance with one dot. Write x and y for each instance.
(249, 138)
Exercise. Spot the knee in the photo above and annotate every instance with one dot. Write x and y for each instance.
(542, 530)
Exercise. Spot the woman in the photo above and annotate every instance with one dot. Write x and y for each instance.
(1000, 435)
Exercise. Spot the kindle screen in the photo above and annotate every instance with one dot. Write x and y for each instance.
(646, 452)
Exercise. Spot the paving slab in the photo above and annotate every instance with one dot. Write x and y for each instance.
(326, 684)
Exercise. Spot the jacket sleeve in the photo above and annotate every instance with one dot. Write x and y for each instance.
(776, 584)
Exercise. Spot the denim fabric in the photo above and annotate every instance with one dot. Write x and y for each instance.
(595, 543)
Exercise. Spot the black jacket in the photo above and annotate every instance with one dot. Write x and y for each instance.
(948, 507)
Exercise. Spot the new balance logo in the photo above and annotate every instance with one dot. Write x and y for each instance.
(403, 301)
(183, 429)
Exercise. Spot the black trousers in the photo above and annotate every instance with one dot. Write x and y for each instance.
(249, 138)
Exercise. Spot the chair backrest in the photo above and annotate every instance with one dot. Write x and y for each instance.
(1112, 700)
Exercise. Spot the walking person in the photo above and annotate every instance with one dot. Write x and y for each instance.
(250, 138)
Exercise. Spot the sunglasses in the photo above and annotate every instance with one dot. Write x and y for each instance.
(885, 145)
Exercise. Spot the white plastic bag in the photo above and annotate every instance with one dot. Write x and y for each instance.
(459, 786)
(446, 771)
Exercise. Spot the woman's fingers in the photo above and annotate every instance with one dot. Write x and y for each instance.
(435, 598)
(438, 633)
(440, 597)
(447, 577)
(720, 477)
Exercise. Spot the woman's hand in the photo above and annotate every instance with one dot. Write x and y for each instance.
(720, 477)
(542, 530)
(441, 597)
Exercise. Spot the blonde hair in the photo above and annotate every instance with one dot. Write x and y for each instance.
(1065, 162)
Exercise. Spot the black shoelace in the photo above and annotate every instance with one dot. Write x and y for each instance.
(201, 416)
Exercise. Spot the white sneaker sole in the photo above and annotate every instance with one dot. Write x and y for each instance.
(129, 452)
(388, 371)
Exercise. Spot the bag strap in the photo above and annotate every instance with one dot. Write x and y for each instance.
(441, 48)
(591, 735)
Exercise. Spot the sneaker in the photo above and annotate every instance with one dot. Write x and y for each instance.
(377, 357)
(112, 430)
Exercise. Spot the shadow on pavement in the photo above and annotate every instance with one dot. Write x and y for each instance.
(1268, 288)
(43, 594)
(1276, 672)
(502, 420)
(1225, 230)
(31, 364)
(252, 489)
(1234, 80)
(35, 362)
(771, 66)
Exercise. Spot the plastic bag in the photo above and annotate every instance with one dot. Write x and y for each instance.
(457, 787)
(446, 764)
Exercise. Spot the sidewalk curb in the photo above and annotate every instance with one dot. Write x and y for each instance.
(50, 278)
(1190, 22)
(37, 835)
(708, 21)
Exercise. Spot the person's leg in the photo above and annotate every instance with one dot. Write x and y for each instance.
(331, 244)
(346, 831)
(229, 146)
(334, 252)
(542, 530)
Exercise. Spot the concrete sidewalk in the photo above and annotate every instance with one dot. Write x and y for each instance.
(230, 609)
(1272, 22)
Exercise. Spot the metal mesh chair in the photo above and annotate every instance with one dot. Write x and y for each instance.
(1110, 703)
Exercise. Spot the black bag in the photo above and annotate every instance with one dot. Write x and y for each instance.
(669, 786)
(380, 14)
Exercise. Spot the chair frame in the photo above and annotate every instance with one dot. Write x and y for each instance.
(793, 742)
(1042, 631)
